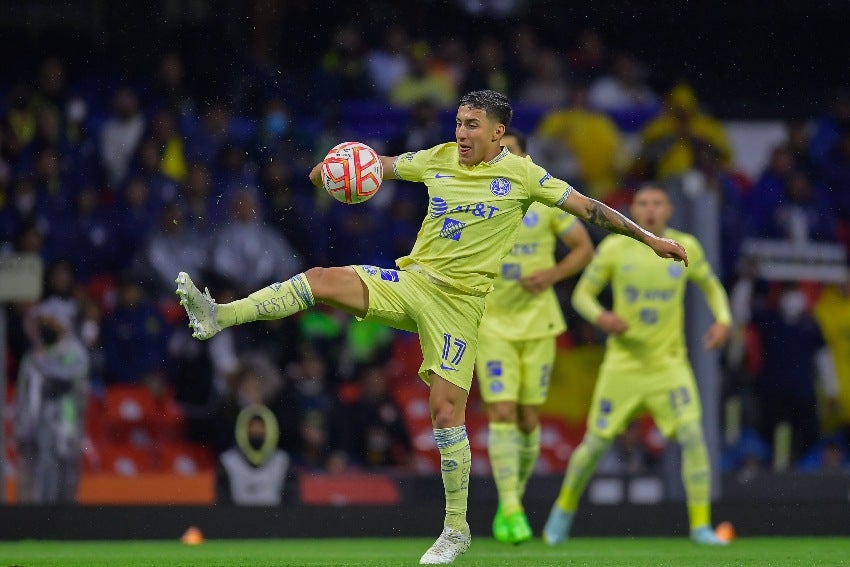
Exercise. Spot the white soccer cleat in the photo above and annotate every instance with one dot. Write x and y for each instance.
(448, 546)
(201, 307)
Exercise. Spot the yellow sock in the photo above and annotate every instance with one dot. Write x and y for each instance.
(529, 450)
(276, 301)
(503, 448)
(696, 473)
(455, 460)
(583, 463)
(699, 515)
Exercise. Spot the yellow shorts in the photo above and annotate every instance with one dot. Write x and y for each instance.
(669, 394)
(445, 318)
(514, 371)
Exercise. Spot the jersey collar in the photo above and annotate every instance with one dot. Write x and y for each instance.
(499, 157)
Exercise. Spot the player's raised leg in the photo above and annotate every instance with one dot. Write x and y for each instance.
(448, 407)
(579, 472)
(340, 287)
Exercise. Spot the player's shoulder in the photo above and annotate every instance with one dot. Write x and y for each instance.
(686, 239)
(614, 243)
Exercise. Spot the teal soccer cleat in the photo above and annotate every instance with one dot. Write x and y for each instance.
(704, 535)
(557, 528)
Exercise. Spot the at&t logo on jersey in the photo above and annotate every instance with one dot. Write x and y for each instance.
(439, 207)
(500, 187)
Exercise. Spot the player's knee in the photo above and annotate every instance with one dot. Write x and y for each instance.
(529, 418)
(318, 278)
(502, 412)
(689, 434)
(594, 444)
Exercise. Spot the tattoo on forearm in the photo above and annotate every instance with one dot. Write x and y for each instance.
(609, 219)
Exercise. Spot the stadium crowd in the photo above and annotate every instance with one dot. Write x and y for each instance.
(119, 183)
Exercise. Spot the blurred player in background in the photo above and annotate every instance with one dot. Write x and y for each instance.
(478, 193)
(646, 363)
(516, 347)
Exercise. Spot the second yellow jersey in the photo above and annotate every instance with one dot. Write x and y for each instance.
(512, 312)
(649, 294)
(474, 212)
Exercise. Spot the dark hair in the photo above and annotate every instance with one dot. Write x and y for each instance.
(494, 104)
(521, 139)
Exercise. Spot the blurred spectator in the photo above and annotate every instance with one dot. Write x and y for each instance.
(547, 87)
(768, 190)
(167, 135)
(121, 136)
(588, 137)
(52, 390)
(488, 68)
(24, 207)
(254, 472)
(425, 82)
(232, 171)
(86, 236)
(247, 251)
(786, 384)
(203, 210)
(832, 312)
(451, 60)
(133, 221)
(20, 119)
(290, 213)
(526, 49)
(276, 129)
(51, 93)
(134, 337)
(147, 165)
(205, 140)
(375, 432)
(590, 56)
(669, 141)
(344, 73)
(388, 64)
(829, 126)
(171, 89)
(623, 92)
(803, 212)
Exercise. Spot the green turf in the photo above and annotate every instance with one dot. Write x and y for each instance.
(642, 552)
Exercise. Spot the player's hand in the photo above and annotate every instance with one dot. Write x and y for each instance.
(538, 281)
(316, 175)
(716, 336)
(612, 323)
(667, 248)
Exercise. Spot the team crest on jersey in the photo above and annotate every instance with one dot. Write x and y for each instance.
(631, 293)
(675, 269)
(389, 275)
(496, 386)
(451, 229)
(530, 219)
(371, 270)
(500, 187)
(439, 207)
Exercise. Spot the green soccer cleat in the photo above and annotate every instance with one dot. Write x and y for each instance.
(501, 530)
(704, 535)
(519, 529)
(557, 528)
(201, 307)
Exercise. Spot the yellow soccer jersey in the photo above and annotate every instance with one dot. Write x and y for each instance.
(474, 212)
(649, 295)
(512, 312)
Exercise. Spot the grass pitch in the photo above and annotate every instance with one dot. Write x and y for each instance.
(595, 552)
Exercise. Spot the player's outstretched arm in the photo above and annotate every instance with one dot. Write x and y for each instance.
(387, 163)
(602, 215)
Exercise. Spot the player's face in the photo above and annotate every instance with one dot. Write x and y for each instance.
(477, 136)
(512, 144)
(651, 209)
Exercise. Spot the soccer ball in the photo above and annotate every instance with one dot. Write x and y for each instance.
(352, 172)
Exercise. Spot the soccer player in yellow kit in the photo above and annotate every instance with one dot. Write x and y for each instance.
(646, 363)
(516, 347)
(478, 193)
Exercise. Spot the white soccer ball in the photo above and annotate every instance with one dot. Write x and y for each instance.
(352, 172)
